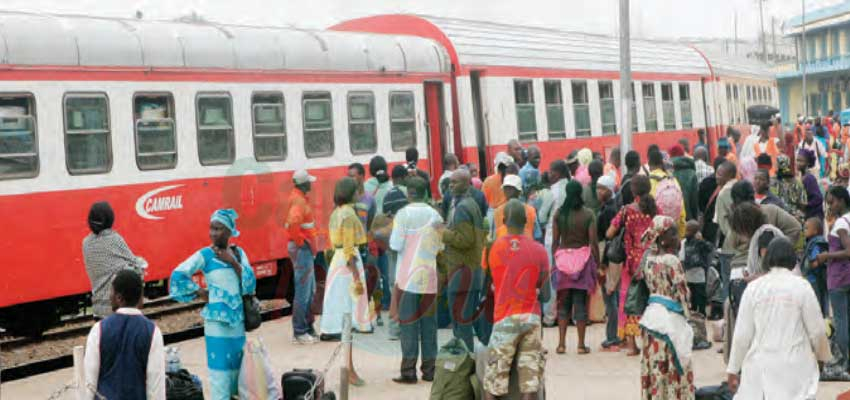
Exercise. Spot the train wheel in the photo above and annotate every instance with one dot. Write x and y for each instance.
(31, 320)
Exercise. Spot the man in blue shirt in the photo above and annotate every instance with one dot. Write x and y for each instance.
(530, 172)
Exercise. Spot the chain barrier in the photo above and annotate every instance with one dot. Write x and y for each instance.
(324, 372)
(57, 395)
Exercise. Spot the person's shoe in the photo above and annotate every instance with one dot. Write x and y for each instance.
(428, 378)
(330, 337)
(703, 345)
(393, 338)
(406, 380)
(380, 321)
(304, 339)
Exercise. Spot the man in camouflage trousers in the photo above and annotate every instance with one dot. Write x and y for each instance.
(519, 268)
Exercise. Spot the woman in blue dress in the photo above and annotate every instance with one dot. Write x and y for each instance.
(228, 277)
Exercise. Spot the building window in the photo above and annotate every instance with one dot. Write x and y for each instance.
(749, 93)
(581, 108)
(650, 114)
(836, 44)
(18, 137)
(735, 104)
(318, 124)
(268, 114)
(668, 106)
(554, 110)
(685, 105)
(607, 108)
(88, 144)
(362, 133)
(526, 122)
(811, 49)
(156, 141)
(215, 129)
(402, 121)
(823, 54)
(814, 103)
(836, 101)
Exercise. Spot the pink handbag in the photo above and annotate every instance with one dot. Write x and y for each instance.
(572, 261)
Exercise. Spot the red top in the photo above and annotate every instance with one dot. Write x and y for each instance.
(515, 263)
(299, 222)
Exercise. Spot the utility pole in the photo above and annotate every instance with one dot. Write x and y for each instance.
(803, 64)
(763, 38)
(736, 32)
(625, 83)
(773, 35)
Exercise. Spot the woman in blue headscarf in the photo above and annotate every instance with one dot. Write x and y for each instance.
(228, 276)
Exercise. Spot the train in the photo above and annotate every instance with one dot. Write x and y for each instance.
(170, 120)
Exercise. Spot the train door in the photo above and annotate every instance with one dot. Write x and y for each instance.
(434, 123)
(478, 111)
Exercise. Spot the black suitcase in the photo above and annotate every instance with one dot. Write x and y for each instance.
(298, 382)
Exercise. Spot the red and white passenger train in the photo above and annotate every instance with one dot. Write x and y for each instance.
(169, 121)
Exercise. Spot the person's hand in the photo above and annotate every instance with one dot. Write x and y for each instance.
(821, 258)
(204, 295)
(225, 255)
(732, 380)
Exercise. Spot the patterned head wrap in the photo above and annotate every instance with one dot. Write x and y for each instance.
(227, 217)
(660, 224)
(585, 156)
(676, 150)
(783, 165)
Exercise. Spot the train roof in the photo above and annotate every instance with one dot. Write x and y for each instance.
(62, 40)
(738, 67)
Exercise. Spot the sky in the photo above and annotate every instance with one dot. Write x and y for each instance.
(670, 19)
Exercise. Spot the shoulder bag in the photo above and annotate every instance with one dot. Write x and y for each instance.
(250, 303)
(637, 296)
(615, 251)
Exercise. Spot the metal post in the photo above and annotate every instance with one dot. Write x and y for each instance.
(79, 372)
(343, 370)
(803, 64)
(625, 83)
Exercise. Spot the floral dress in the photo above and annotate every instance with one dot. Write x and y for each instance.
(660, 376)
(792, 193)
(636, 223)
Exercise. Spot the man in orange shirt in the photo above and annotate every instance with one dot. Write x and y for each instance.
(301, 228)
(512, 188)
(492, 186)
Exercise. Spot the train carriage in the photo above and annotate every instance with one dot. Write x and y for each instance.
(170, 121)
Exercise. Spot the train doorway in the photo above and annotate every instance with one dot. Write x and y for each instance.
(434, 124)
(478, 112)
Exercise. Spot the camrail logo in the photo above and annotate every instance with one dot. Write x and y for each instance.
(154, 202)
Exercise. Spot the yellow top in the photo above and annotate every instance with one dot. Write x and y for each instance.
(346, 231)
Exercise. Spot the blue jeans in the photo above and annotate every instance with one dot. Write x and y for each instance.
(840, 301)
(392, 257)
(466, 324)
(725, 262)
(611, 308)
(417, 313)
(382, 264)
(305, 287)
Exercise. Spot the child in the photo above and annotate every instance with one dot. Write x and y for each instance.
(810, 269)
(696, 255)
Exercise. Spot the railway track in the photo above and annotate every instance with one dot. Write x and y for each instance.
(66, 360)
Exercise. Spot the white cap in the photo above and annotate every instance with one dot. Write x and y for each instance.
(503, 158)
(607, 181)
(301, 176)
(512, 180)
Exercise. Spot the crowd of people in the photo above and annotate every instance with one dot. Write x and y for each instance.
(758, 237)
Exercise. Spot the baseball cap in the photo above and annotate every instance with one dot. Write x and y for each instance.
(503, 158)
(607, 181)
(512, 180)
(301, 176)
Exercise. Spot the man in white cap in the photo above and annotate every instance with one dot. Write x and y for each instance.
(301, 227)
(512, 189)
(609, 274)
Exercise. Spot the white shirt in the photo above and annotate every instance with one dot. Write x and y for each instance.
(748, 146)
(417, 244)
(780, 335)
(559, 194)
(155, 380)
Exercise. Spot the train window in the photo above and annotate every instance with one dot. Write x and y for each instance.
(607, 108)
(156, 142)
(555, 110)
(581, 108)
(269, 126)
(318, 124)
(18, 139)
(215, 129)
(526, 119)
(685, 106)
(650, 113)
(88, 146)
(361, 123)
(402, 121)
(668, 106)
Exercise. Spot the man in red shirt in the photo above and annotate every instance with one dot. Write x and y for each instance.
(519, 268)
(301, 228)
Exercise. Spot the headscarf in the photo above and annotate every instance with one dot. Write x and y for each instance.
(723, 142)
(754, 261)
(783, 166)
(585, 156)
(101, 217)
(608, 182)
(676, 151)
(810, 157)
(227, 217)
(747, 168)
(660, 224)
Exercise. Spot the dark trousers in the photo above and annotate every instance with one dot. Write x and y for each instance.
(821, 291)
(468, 321)
(611, 308)
(418, 328)
(699, 297)
(840, 300)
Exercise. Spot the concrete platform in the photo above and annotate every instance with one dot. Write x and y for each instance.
(595, 376)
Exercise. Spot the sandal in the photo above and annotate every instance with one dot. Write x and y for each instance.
(561, 350)
(632, 353)
(358, 382)
(583, 350)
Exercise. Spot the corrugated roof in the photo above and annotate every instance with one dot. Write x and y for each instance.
(30, 39)
(819, 14)
(493, 44)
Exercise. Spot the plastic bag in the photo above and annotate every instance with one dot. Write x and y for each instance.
(256, 381)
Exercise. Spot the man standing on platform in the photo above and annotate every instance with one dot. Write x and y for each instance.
(301, 227)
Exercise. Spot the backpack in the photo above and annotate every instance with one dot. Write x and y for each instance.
(668, 196)
(454, 372)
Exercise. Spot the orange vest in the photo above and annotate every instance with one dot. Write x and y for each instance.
(771, 150)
